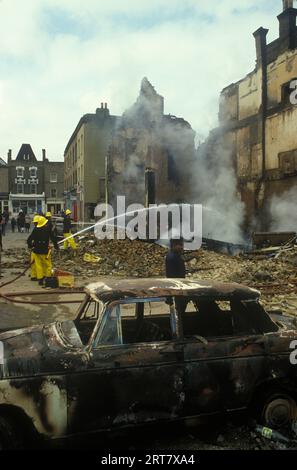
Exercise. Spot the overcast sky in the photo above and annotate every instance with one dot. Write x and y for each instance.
(59, 59)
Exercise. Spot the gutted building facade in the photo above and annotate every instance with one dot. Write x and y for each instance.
(258, 121)
(151, 153)
(85, 161)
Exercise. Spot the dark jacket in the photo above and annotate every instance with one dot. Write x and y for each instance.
(67, 225)
(175, 265)
(40, 238)
(1, 247)
(52, 228)
(21, 219)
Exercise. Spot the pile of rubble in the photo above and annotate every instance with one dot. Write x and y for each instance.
(125, 258)
(274, 276)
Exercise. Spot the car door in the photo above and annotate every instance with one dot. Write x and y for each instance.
(221, 373)
(222, 367)
(127, 383)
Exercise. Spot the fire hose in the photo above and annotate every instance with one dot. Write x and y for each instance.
(10, 297)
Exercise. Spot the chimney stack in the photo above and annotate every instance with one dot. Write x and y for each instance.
(43, 154)
(287, 25)
(287, 4)
(105, 105)
(260, 38)
(9, 156)
(101, 105)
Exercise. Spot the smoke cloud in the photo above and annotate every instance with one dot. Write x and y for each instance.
(283, 211)
(215, 186)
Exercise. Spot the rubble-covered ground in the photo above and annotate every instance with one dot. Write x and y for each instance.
(275, 277)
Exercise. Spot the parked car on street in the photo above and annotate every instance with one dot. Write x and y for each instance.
(147, 350)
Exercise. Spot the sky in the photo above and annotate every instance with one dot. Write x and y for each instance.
(59, 59)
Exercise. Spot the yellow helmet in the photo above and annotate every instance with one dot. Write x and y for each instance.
(36, 219)
(42, 222)
(67, 212)
(48, 214)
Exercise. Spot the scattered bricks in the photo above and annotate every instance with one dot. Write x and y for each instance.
(275, 278)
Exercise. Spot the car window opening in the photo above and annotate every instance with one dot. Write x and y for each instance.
(87, 318)
(209, 318)
(137, 322)
(154, 320)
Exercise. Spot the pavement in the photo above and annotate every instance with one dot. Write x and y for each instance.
(15, 315)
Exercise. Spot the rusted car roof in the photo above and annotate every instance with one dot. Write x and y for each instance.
(162, 287)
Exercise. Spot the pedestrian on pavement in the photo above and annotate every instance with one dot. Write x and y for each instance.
(21, 221)
(67, 232)
(2, 225)
(27, 223)
(5, 216)
(13, 224)
(1, 218)
(39, 243)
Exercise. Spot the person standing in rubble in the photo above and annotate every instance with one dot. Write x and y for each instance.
(174, 262)
(39, 241)
(175, 268)
(68, 238)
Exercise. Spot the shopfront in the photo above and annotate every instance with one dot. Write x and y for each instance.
(29, 204)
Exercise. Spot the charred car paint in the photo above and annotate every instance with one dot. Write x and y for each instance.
(144, 350)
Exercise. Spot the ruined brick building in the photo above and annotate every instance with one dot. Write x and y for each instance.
(258, 121)
(151, 154)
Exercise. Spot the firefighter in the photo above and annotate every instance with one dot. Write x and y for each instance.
(51, 224)
(33, 275)
(48, 216)
(67, 231)
(38, 241)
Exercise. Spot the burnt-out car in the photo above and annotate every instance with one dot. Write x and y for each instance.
(147, 350)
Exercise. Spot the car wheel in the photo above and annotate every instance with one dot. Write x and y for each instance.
(279, 411)
(9, 438)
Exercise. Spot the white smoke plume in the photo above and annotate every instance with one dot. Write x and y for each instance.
(209, 175)
(216, 188)
(283, 211)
